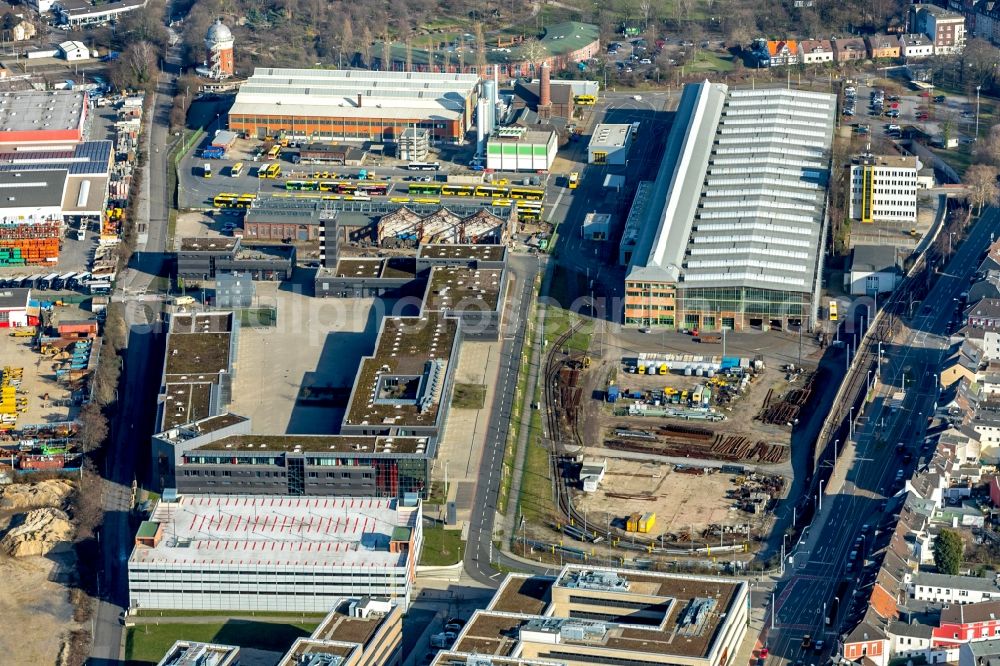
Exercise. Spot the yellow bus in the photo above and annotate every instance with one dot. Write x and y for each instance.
(833, 310)
(574, 180)
(527, 193)
(236, 169)
(491, 192)
(585, 100)
(458, 190)
(272, 170)
(274, 152)
(529, 211)
(224, 199)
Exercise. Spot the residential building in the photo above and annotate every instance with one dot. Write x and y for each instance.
(981, 653)
(874, 270)
(815, 51)
(983, 314)
(946, 29)
(867, 641)
(313, 104)
(609, 144)
(14, 28)
(783, 52)
(942, 588)
(560, 46)
(985, 22)
(915, 46)
(708, 256)
(589, 615)
(883, 46)
(884, 189)
(964, 623)
(274, 553)
(849, 49)
(521, 149)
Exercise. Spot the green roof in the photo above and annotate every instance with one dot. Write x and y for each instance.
(400, 534)
(147, 529)
(569, 36)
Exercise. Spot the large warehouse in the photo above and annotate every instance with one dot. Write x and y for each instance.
(312, 104)
(732, 234)
(42, 117)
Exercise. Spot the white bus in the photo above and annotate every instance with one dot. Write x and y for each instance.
(423, 166)
(99, 288)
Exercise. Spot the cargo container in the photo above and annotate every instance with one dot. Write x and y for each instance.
(632, 522)
(647, 522)
(696, 394)
(612, 394)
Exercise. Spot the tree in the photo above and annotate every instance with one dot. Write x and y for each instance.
(480, 49)
(948, 552)
(93, 426)
(981, 180)
(988, 149)
(136, 67)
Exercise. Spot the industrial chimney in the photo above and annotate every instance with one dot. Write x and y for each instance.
(545, 94)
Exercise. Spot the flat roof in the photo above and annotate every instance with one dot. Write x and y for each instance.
(461, 288)
(359, 268)
(185, 402)
(449, 658)
(896, 161)
(41, 110)
(208, 244)
(607, 135)
(89, 158)
(521, 593)
(202, 322)
(323, 532)
(198, 355)
(496, 631)
(85, 195)
(190, 653)
(354, 93)
(303, 648)
(507, 135)
(358, 444)
(448, 251)
(417, 349)
(32, 189)
(14, 298)
(744, 182)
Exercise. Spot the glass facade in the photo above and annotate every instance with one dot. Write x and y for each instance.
(318, 127)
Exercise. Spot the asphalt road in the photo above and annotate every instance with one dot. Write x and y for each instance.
(807, 593)
(479, 552)
(127, 454)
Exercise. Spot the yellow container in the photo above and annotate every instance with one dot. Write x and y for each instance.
(646, 522)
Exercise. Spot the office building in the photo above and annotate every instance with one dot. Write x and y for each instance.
(609, 144)
(414, 144)
(361, 105)
(731, 234)
(274, 553)
(884, 189)
(588, 616)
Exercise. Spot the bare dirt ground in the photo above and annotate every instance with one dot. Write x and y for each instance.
(38, 379)
(682, 502)
(35, 605)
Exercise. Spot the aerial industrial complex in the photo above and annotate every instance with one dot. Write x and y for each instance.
(308, 104)
(714, 248)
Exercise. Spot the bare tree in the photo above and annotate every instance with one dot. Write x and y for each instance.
(93, 426)
(386, 53)
(988, 149)
(981, 180)
(644, 7)
(409, 55)
(347, 39)
(480, 49)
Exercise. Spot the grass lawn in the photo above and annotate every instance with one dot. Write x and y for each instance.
(146, 644)
(441, 547)
(958, 158)
(469, 396)
(709, 61)
(258, 317)
(536, 485)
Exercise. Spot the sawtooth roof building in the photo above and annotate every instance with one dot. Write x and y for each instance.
(329, 104)
(730, 234)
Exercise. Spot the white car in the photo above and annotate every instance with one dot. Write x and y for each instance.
(637, 98)
(645, 61)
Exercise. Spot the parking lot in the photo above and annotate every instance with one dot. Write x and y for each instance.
(900, 108)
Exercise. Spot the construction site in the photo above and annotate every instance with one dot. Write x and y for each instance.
(684, 455)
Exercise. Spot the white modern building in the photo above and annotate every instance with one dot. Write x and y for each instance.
(945, 589)
(873, 270)
(520, 149)
(884, 189)
(609, 144)
(915, 45)
(274, 553)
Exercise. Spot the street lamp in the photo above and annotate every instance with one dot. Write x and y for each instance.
(820, 496)
(977, 111)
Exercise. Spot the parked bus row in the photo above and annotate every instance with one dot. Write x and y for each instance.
(340, 187)
(233, 200)
(484, 191)
(82, 281)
